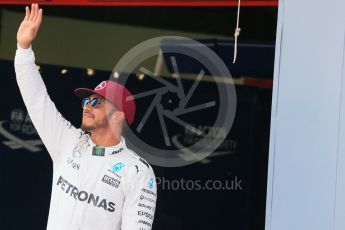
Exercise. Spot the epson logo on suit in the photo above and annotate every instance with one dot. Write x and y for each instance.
(111, 181)
(146, 214)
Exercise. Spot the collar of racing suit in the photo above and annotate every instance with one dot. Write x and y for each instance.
(109, 150)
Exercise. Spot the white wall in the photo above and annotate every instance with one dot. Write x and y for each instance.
(306, 183)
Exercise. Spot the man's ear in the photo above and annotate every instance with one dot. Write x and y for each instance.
(118, 116)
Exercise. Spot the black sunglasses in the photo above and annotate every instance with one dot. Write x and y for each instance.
(94, 102)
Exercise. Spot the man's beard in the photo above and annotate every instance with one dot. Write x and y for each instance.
(98, 124)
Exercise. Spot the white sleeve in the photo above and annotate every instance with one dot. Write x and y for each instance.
(50, 125)
(140, 202)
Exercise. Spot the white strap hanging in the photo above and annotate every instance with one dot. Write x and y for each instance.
(237, 31)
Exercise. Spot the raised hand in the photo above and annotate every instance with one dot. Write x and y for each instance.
(29, 27)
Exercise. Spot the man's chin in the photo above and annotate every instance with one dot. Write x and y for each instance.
(86, 128)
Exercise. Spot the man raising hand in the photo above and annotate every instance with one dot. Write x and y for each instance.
(98, 183)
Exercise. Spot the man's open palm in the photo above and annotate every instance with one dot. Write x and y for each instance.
(29, 27)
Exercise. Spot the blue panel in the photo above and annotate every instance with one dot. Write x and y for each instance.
(252, 59)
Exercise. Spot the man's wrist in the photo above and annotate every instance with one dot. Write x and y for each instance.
(24, 46)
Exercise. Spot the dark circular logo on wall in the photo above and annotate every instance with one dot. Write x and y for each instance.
(177, 84)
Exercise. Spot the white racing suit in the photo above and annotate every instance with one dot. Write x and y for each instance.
(93, 187)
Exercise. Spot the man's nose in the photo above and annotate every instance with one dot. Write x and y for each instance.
(87, 107)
